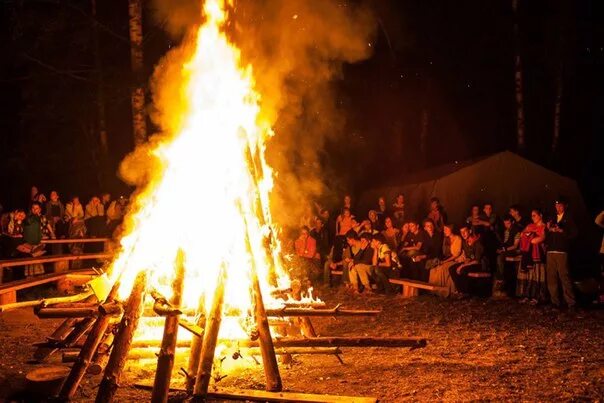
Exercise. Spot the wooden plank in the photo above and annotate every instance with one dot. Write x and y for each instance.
(416, 284)
(74, 240)
(264, 396)
(52, 259)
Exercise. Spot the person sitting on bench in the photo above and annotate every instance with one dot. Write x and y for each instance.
(361, 267)
(383, 264)
(473, 260)
(508, 248)
(346, 254)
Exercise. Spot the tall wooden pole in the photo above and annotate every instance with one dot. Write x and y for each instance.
(139, 124)
(210, 339)
(196, 343)
(123, 340)
(165, 359)
(267, 349)
(96, 334)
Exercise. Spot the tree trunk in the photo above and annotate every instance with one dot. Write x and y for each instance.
(519, 90)
(139, 125)
(557, 109)
(100, 100)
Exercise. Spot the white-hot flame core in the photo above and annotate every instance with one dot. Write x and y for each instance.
(202, 200)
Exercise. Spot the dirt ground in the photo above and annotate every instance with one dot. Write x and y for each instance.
(477, 350)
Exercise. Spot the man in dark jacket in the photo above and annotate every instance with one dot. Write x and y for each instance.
(560, 233)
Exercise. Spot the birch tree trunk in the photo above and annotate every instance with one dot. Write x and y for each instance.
(139, 125)
(520, 131)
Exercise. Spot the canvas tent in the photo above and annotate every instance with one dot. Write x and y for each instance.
(503, 179)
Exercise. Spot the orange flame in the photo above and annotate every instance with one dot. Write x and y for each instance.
(212, 188)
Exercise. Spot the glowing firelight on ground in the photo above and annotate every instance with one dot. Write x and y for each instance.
(203, 197)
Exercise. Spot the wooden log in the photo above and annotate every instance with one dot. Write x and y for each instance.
(63, 330)
(386, 342)
(337, 311)
(308, 330)
(54, 340)
(412, 342)
(123, 339)
(70, 356)
(191, 327)
(148, 343)
(165, 359)
(210, 338)
(269, 359)
(302, 304)
(79, 330)
(162, 306)
(99, 362)
(300, 351)
(46, 301)
(88, 349)
(74, 312)
(230, 394)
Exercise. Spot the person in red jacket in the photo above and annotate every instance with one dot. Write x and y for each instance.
(307, 257)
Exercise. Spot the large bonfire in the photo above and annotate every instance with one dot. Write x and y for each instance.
(209, 197)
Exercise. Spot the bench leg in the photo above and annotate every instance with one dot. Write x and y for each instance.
(8, 297)
(409, 292)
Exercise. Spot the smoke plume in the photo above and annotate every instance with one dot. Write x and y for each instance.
(297, 49)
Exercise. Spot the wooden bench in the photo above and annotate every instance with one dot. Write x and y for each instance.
(7, 296)
(411, 287)
(8, 292)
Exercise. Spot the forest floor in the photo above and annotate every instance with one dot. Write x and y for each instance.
(477, 349)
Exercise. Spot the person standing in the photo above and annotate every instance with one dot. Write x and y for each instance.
(33, 228)
(560, 233)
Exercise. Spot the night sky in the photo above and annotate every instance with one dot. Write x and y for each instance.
(454, 58)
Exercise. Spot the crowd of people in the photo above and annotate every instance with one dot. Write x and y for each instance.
(472, 257)
(50, 218)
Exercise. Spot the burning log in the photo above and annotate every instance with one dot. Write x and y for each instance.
(336, 311)
(269, 360)
(165, 359)
(88, 350)
(196, 343)
(308, 330)
(146, 343)
(210, 338)
(162, 306)
(191, 327)
(123, 340)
